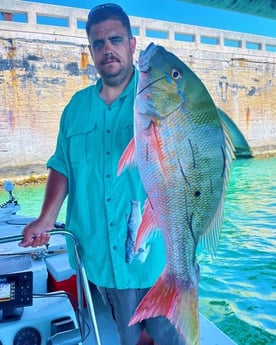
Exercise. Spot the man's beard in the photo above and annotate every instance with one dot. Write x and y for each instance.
(116, 79)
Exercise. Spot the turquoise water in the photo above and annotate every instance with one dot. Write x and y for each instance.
(237, 288)
(238, 285)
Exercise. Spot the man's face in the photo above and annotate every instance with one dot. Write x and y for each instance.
(112, 51)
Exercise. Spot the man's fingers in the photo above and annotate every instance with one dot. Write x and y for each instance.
(35, 240)
(40, 239)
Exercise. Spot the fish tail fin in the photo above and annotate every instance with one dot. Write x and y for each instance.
(127, 158)
(177, 301)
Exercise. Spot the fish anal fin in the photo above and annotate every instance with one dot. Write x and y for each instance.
(128, 157)
(175, 300)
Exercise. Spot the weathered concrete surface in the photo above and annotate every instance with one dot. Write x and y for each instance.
(262, 8)
(42, 66)
(36, 81)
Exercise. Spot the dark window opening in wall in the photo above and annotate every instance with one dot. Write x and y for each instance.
(54, 21)
(232, 43)
(178, 36)
(14, 17)
(156, 34)
(270, 48)
(253, 45)
(209, 40)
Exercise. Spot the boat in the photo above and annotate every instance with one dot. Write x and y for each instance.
(54, 303)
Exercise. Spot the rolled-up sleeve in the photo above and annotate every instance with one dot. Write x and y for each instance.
(58, 161)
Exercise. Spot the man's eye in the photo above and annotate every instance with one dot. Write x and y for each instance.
(97, 45)
(116, 40)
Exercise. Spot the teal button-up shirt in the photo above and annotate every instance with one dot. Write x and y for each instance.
(91, 140)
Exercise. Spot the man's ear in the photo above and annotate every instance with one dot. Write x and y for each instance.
(132, 43)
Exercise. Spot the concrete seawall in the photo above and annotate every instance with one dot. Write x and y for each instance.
(41, 66)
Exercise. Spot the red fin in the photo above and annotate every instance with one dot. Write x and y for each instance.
(128, 157)
(177, 301)
(157, 144)
(147, 224)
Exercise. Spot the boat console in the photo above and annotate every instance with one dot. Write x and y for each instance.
(16, 292)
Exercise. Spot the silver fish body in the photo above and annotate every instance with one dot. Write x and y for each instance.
(133, 223)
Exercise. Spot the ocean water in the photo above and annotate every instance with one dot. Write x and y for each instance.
(238, 285)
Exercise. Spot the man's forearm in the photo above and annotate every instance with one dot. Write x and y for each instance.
(56, 191)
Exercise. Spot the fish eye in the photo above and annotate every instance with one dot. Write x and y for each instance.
(176, 74)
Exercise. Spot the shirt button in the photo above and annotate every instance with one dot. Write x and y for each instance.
(111, 224)
(108, 153)
(108, 131)
(114, 248)
(107, 175)
(108, 199)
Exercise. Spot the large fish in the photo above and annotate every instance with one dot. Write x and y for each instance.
(183, 155)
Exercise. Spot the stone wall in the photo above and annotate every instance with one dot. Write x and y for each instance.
(41, 66)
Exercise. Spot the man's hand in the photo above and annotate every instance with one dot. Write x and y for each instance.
(35, 234)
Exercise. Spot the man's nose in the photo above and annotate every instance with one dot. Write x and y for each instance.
(108, 55)
(107, 47)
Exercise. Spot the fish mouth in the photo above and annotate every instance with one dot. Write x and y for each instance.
(145, 65)
(149, 84)
(145, 61)
(144, 57)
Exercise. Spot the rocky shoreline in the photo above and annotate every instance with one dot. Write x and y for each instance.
(23, 175)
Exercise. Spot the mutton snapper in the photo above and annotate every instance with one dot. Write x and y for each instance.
(183, 155)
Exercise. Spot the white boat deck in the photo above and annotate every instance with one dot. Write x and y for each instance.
(209, 333)
(44, 310)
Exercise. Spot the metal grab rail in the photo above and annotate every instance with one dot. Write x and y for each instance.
(81, 278)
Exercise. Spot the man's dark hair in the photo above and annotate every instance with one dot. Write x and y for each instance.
(107, 11)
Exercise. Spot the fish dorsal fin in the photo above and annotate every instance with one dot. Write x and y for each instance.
(157, 145)
(146, 225)
(127, 158)
(210, 239)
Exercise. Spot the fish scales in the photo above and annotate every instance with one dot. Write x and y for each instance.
(183, 156)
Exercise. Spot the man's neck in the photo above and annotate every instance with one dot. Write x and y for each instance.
(111, 92)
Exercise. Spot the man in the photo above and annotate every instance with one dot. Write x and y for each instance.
(95, 128)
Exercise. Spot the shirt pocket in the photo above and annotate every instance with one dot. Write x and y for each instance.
(125, 133)
(82, 147)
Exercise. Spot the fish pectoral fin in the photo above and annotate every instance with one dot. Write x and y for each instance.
(157, 145)
(176, 301)
(127, 158)
(146, 226)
